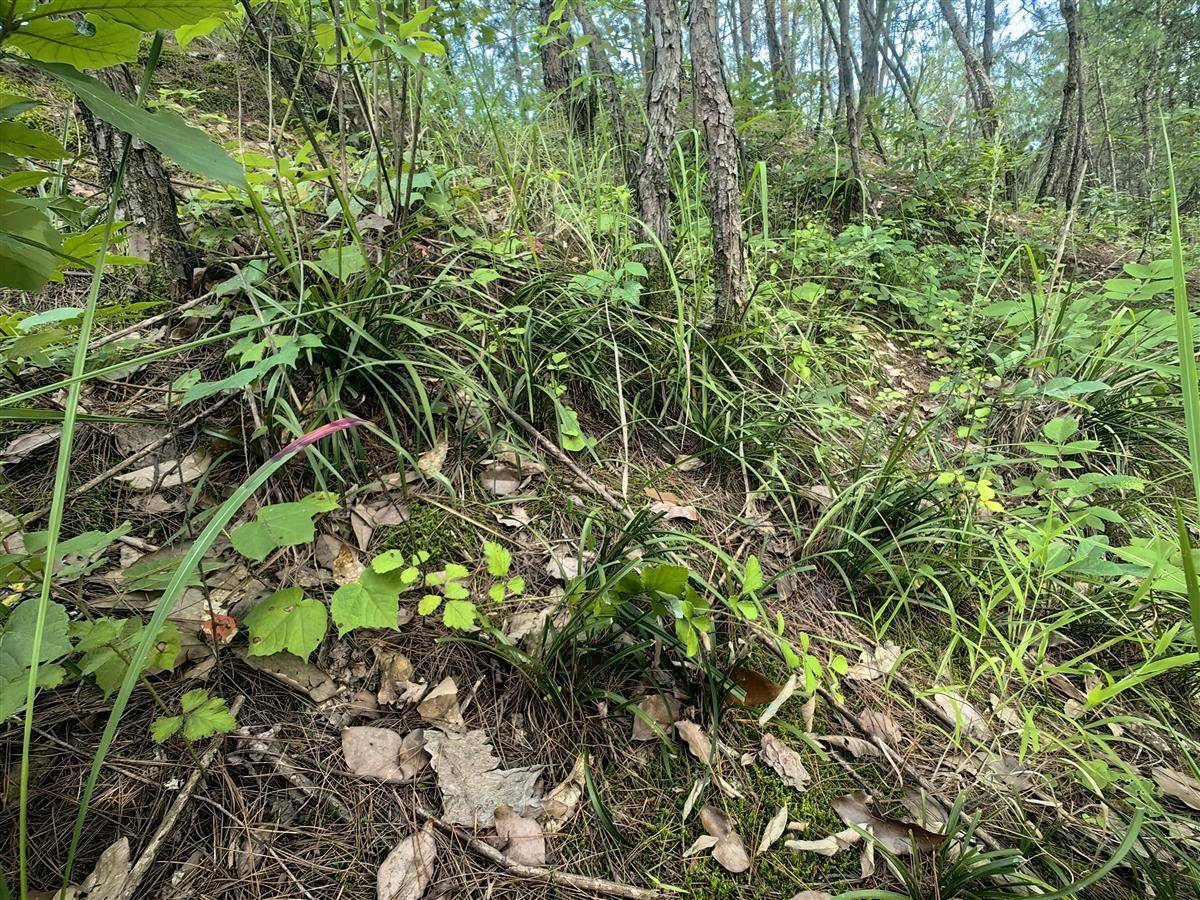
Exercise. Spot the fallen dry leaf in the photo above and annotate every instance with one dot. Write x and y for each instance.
(786, 762)
(758, 688)
(472, 785)
(877, 663)
(508, 471)
(395, 679)
(893, 835)
(789, 688)
(523, 840)
(382, 754)
(670, 506)
(1177, 785)
(366, 517)
(774, 830)
(440, 706)
(406, 872)
(813, 895)
(808, 712)
(516, 517)
(879, 724)
(168, 473)
(729, 850)
(830, 845)
(698, 846)
(26, 445)
(685, 463)
(697, 741)
(559, 804)
(296, 673)
(855, 746)
(660, 710)
(962, 714)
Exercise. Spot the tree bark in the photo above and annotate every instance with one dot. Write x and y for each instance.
(560, 71)
(846, 92)
(662, 112)
(983, 94)
(1068, 146)
(746, 9)
(148, 200)
(602, 69)
(720, 137)
(779, 85)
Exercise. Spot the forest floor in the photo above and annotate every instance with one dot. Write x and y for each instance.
(533, 755)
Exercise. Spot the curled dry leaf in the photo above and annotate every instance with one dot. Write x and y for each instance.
(366, 517)
(168, 473)
(813, 895)
(830, 845)
(670, 506)
(786, 762)
(729, 850)
(895, 836)
(1177, 785)
(685, 463)
(785, 693)
(774, 830)
(406, 872)
(472, 785)
(559, 805)
(702, 843)
(440, 706)
(660, 710)
(855, 746)
(395, 679)
(522, 839)
(759, 690)
(962, 714)
(876, 663)
(381, 753)
(26, 445)
(505, 474)
(515, 517)
(566, 568)
(296, 673)
(697, 741)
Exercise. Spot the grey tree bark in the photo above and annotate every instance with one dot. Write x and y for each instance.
(746, 12)
(560, 71)
(602, 69)
(982, 91)
(721, 140)
(775, 57)
(846, 93)
(148, 200)
(662, 112)
(1069, 149)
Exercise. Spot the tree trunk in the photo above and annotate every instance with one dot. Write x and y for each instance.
(662, 112)
(287, 55)
(1109, 151)
(983, 94)
(560, 70)
(720, 137)
(746, 8)
(775, 57)
(989, 31)
(147, 200)
(846, 91)
(602, 69)
(1065, 145)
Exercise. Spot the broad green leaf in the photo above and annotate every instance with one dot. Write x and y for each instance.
(428, 604)
(189, 147)
(205, 716)
(669, 580)
(496, 592)
(1061, 429)
(388, 561)
(287, 620)
(105, 644)
(16, 643)
(280, 525)
(100, 44)
(498, 559)
(28, 244)
(15, 104)
(29, 143)
(459, 614)
(752, 576)
(144, 15)
(165, 727)
(371, 602)
(188, 33)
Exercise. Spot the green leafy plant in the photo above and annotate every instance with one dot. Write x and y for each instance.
(200, 716)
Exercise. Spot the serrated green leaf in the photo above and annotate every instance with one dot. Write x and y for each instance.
(209, 718)
(665, 579)
(287, 620)
(280, 525)
(165, 727)
(456, 591)
(459, 614)
(456, 571)
(499, 560)
(371, 602)
(752, 575)
(516, 586)
(387, 561)
(496, 592)
(428, 604)
(144, 15)
(101, 44)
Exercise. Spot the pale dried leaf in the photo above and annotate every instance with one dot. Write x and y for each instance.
(879, 724)
(440, 706)
(515, 517)
(366, 517)
(830, 845)
(786, 762)
(658, 709)
(697, 741)
(876, 663)
(962, 714)
(808, 712)
(895, 836)
(395, 679)
(374, 753)
(21, 448)
(107, 880)
(685, 463)
(523, 840)
(168, 473)
(784, 695)
(559, 805)
(1177, 785)
(296, 673)
(702, 843)
(813, 895)
(729, 849)
(472, 786)
(774, 830)
(406, 872)
(855, 746)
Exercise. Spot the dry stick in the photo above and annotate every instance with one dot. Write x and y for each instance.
(132, 458)
(585, 883)
(139, 869)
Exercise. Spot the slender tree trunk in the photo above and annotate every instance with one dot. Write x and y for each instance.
(148, 200)
(746, 10)
(720, 137)
(989, 31)
(984, 95)
(602, 69)
(560, 71)
(846, 90)
(1063, 158)
(1109, 151)
(662, 112)
(775, 57)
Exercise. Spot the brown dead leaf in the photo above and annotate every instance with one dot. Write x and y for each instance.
(785, 694)
(406, 872)
(697, 741)
(515, 517)
(366, 517)
(296, 673)
(758, 688)
(670, 506)
(1177, 785)
(685, 463)
(660, 710)
(785, 761)
(879, 724)
(729, 849)
(962, 714)
(395, 679)
(26, 445)
(508, 471)
(855, 746)
(830, 845)
(895, 836)
(523, 840)
(774, 830)
(382, 754)
(559, 805)
(440, 706)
